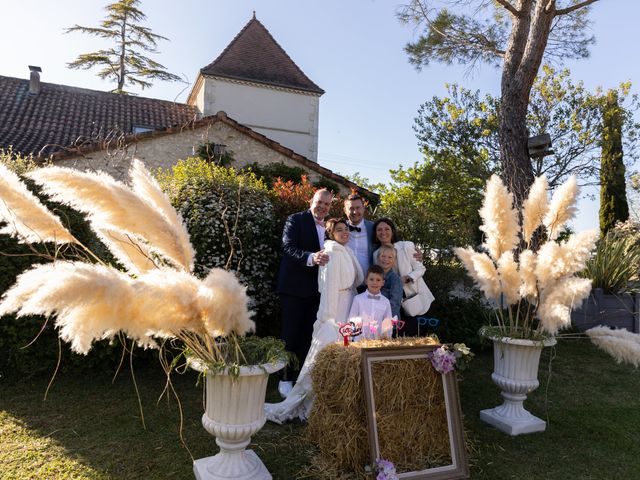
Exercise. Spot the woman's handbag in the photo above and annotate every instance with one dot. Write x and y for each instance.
(413, 305)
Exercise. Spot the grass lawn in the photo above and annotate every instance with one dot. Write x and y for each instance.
(89, 428)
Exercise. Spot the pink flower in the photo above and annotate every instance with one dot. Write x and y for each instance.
(442, 360)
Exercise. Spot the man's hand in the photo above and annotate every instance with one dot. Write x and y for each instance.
(320, 258)
(418, 255)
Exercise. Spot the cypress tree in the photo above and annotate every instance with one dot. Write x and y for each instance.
(124, 62)
(613, 192)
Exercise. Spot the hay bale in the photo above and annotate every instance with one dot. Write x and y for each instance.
(410, 411)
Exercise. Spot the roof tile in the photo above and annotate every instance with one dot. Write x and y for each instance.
(61, 116)
(255, 56)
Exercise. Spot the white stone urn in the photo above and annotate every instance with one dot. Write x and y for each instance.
(515, 372)
(234, 412)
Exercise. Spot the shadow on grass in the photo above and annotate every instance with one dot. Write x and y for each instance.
(90, 428)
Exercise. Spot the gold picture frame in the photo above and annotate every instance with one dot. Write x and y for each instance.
(444, 404)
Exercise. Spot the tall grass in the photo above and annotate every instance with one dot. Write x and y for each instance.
(615, 263)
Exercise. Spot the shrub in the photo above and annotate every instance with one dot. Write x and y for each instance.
(460, 319)
(614, 266)
(290, 197)
(271, 172)
(232, 225)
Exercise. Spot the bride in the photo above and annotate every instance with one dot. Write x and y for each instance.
(337, 282)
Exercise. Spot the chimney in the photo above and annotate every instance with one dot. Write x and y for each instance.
(34, 80)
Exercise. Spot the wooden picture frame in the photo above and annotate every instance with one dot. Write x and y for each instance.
(458, 467)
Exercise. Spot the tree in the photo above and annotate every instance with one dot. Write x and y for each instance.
(515, 33)
(464, 125)
(124, 63)
(613, 192)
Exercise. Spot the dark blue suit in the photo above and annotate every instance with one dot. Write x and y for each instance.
(298, 284)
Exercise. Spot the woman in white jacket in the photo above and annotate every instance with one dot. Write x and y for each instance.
(337, 282)
(411, 272)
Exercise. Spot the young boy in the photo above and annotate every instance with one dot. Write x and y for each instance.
(371, 306)
(392, 288)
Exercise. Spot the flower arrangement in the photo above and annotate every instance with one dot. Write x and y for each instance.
(533, 289)
(383, 470)
(449, 357)
(155, 298)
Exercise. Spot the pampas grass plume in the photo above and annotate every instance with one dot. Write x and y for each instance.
(562, 207)
(534, 208)
(528, 279)
(486, 276)
(621, 344)
(94, 302)
(147, 188)
(25, 216)
(509, 278)
(554, 310)
(500, 219)
(134, 254)
(226, 303)
(465, 256)
(111, 205)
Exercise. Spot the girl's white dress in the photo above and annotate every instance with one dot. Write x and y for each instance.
(337, 282)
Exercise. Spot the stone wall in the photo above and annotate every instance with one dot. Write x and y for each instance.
(165, 150)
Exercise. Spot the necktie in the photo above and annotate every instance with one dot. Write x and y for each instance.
(374, 297)
(352, 228)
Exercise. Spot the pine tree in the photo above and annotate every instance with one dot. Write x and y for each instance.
(613, 192)
(514, 33)
(124, 63)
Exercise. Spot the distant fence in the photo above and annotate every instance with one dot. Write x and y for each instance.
(620, 311)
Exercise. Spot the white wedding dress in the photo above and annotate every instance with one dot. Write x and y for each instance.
(337, 282)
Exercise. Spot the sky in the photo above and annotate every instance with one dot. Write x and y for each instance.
(351, 49)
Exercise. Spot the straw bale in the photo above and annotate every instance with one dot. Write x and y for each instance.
(410, 411)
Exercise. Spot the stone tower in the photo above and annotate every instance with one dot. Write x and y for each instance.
(256, 83)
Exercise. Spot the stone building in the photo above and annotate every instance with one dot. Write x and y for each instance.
(252, 100)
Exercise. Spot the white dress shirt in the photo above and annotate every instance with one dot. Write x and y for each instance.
(359, 243)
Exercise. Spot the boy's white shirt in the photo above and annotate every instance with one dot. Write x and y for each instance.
(369, 309)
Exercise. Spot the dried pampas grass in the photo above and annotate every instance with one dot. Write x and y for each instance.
(25, 216)
(112, 205)
(486, 276)
(534, 208)
(148, 189)
(94, 302)
(562, 207)
(500, 219)
(554, 310)
(528, 279)
(133, 253)
(509, 279)
(621, 344)
(543, 279)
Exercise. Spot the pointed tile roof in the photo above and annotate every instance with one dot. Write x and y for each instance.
(61, 116)
(255, 56)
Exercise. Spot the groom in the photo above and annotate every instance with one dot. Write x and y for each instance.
(360, 231)
(302, 254)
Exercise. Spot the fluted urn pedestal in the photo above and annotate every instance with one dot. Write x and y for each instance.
(515, 372)
(234, 412)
